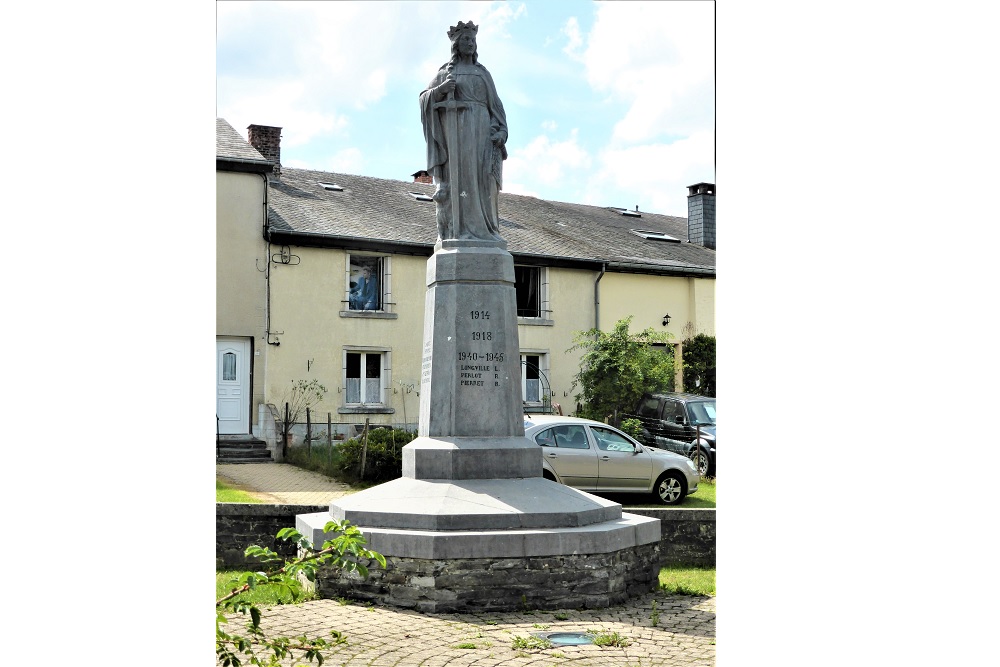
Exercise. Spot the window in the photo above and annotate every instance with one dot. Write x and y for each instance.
(529, 281)
(650, 407)
(654, 236)
(367, 283)
(611, 441)
(567, 437)
(229, 367)
(533, 381)
(363, 377)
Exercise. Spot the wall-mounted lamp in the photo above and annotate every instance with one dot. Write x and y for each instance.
(666, 319)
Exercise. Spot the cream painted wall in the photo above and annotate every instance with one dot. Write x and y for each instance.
(241, 254)
(649, 298)
(307, 299)
(571, 300)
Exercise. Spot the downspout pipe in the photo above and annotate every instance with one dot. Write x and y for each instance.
(597, 297)
(267, 269)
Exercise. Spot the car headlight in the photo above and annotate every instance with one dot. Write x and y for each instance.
(690, 464)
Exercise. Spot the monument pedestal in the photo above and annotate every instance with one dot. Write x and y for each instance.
(472, 524)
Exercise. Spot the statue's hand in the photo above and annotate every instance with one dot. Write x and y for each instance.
(499, 138)
(447, 87)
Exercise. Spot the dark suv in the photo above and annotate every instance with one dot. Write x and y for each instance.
(674, 421)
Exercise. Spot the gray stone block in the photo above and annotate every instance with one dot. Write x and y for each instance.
(470, 380)
(471, 458)
(475, 504)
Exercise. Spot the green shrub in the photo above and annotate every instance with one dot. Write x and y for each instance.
(699, 365)
(319, 457)
(632, 427)
(383, 459)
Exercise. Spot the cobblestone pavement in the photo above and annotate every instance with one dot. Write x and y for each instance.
(684, 633)
(283, 483)
(381, 636)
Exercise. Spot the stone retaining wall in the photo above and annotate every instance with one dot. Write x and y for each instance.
(500, 584)
(686, 535)
(240, 525)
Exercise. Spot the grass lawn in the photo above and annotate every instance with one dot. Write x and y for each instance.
(688, 580)
(703, 498)
(262, 596)
(224, 493)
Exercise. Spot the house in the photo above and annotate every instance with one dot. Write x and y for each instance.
(339, 281)
(241, 178)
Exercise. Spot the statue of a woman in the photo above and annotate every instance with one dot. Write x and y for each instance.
(463, 88)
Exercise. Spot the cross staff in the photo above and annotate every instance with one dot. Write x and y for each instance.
(451, 136)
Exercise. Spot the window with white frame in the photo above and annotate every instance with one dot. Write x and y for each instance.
(365, 376)
(368, 283)
(534, 369)
(530, 283)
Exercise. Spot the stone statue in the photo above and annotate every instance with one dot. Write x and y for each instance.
(466, 131)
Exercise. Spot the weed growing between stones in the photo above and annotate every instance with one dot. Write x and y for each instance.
(654, 617)
(602, 638)
(531, 643)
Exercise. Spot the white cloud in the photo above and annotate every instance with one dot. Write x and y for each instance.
(497, 16)
(550, 125)
(657, 174)
(324, 61)
(546, 162)
(348, 161)
(657, 59)
(574, 38)
(285, 106)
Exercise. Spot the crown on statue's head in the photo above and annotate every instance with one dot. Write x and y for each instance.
(455, 30)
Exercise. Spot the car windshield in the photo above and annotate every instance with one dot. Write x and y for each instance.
(701, 413)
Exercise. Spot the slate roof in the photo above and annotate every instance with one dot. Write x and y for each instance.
(377, 211)
(230, 145)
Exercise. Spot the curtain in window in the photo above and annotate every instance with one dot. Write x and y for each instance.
(532, 391)
(353, 390)
(229, 367)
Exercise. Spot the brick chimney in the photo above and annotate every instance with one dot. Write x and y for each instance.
(701, 214)
(422, 177)
(267, 141)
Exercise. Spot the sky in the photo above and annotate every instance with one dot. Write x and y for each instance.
(607, 103)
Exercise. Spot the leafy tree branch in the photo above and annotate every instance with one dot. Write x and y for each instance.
(618, 366)
(346, 551)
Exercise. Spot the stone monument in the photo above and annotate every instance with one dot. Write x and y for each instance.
(472, 524)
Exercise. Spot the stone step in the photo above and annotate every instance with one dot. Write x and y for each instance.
(242, 449)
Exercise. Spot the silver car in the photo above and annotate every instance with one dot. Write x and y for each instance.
(592, 456)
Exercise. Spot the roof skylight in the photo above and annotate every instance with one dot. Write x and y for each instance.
(654, 236)
(420, 196)
(331, 186)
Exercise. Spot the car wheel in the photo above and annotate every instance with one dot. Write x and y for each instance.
(701, 460)
(670, 488)
(549, 476)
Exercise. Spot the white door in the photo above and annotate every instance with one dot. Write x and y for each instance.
(232, 402)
